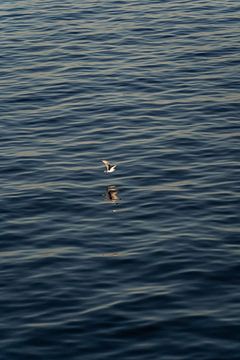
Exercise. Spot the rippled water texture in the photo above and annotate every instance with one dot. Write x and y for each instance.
(142, 263)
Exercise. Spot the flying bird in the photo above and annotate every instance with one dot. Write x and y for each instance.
(109, 167)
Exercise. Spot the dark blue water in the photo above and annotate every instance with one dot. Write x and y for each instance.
(142, 263)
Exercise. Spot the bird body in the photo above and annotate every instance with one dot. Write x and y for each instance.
(109, 167)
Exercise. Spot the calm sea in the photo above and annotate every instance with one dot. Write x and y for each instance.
(143, 263)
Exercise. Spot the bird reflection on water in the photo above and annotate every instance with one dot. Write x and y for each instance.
(112, 194)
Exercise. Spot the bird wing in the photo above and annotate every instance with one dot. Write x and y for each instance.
(107, 164)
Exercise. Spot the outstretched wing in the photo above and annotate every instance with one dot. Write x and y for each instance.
(107, 164)
(113, 167)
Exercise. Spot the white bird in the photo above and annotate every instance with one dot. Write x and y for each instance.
(109, 167)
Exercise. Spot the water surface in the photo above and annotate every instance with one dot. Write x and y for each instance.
(154, 87)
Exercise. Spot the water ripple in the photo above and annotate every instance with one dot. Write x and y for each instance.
(142, 263)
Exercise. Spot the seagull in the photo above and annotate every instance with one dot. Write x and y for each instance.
(109, 168)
